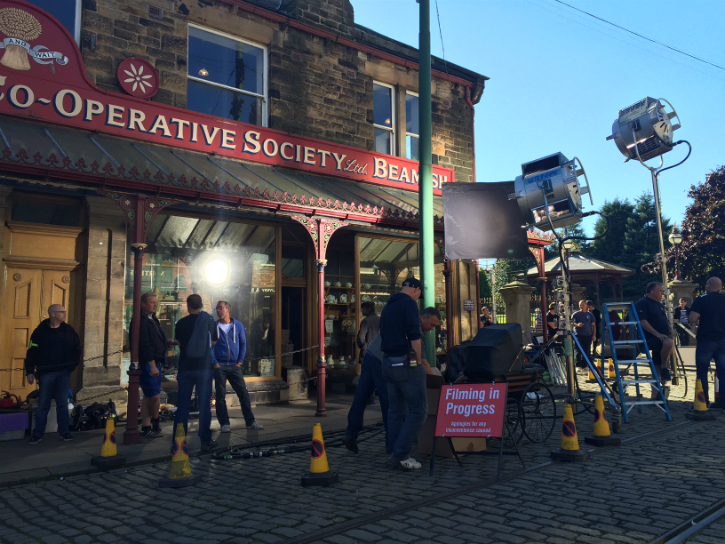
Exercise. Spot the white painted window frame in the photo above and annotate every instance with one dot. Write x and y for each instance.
(265, 75)
(393, 114)
(411, 134)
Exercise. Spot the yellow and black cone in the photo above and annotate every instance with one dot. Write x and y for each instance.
(109, 457)
(569, 450)
(612, 373)
(320, 473)
(602, 434)
(180, 473)
(699, 410)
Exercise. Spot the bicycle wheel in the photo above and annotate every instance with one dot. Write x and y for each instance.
(539, 412)
(513, 430)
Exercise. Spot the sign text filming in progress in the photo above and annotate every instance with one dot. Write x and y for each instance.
(474, 410)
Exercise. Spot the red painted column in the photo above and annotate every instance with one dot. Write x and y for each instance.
(130, 435)
(321, 364)
(541, 262)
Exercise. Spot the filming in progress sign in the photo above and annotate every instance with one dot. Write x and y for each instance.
(471, 410)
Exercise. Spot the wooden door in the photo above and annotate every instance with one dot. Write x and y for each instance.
(30, 292)
(21, 315)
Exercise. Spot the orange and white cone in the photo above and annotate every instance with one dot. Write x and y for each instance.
(569, 450)
(602, 435)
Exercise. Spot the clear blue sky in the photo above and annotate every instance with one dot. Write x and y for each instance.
(559, 77)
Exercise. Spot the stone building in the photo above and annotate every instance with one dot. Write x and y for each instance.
(249, 145)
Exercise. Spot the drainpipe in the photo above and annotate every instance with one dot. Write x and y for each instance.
(473, 167)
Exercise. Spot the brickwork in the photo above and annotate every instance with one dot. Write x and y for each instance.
(317, 87)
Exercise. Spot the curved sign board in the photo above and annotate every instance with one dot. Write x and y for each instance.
(42, 77)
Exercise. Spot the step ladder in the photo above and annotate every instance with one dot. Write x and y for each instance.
(636, 339)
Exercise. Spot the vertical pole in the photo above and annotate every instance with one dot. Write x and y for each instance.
(447, 270)
(478, 296)
(130, 435)
(541, 262)
(425, 170)
(321, 364)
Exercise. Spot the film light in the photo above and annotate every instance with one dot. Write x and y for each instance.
(551, 182)
(646, 124)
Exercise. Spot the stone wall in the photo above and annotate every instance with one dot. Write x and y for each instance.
(317, 87)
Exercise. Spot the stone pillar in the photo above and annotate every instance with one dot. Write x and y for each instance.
(577, 293)
(104, 324)
(517, 297)
(682, 289)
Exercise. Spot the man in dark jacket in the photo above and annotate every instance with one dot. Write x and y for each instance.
(55, 350)
(228, 356)
(682, 314)
(404, 368)
(151, 357)
(369, 328)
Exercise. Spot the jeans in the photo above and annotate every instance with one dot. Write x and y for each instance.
(53, 385)
(406, 386)
(187, 380)
(371, 378)
(586, 344)
(704, 353)
(234, 374)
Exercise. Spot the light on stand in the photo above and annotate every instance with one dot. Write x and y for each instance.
(549, 193)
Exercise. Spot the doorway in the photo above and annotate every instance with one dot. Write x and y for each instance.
(294, 325)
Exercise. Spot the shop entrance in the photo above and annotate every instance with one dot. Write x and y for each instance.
(294, 325)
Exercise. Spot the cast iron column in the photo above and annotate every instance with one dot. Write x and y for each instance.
(425, 171)
(130, 435)
(321, 364)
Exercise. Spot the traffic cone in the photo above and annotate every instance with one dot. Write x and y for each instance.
(319, 469)
(610, 371)
(569, 450)
(109, 457)
(602, 435)
(180, 474)
(699, 411)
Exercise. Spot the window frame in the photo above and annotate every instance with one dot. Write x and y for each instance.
(411, 134)
(265, 75)
(393, 116)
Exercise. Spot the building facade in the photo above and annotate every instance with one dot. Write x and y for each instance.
(259, 152)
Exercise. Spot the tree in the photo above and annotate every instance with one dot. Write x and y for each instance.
(610, 247)
(703, 230)
(577, 231)
(484, 283)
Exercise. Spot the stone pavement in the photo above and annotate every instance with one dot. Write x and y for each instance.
(662, 475)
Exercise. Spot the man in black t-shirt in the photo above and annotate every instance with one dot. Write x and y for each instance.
(196, 333)
(656, 326)
(552, 319)
(682, 314)
(597, 324)
(709, 310)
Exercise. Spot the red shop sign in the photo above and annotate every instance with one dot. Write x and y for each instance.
(42, 77)
(472, 410)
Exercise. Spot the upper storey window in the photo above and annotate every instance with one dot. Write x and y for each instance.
(68, 13)
(227, 77)
(384, 118)
(412, 126)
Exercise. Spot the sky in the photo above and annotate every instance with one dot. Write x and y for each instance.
(559, 78)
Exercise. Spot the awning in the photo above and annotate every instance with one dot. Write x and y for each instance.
(118, 164)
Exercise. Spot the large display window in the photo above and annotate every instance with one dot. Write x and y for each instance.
(219, 260)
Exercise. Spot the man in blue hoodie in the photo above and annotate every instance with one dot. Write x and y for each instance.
(404, 368)
(228, 355)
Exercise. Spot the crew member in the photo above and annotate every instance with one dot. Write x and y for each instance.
(597, 325)
(152, 346)
(657, 330)
(552, 319)
(709, 311)
(585, 332)
(681, 315)
(369, 328)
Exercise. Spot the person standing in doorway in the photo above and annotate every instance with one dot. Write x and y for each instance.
(709, 311)
(404, 368)
(152, 346)
(54, 352)
(197, 334)
(682, 314)
(369, 328)
(585, 333)
(228, 357)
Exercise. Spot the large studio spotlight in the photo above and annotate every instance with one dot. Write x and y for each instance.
(647, 125)
(551, 183)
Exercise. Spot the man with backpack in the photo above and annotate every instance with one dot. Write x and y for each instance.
(228, 355)
(196, 334)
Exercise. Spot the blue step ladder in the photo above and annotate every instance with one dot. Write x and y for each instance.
(635, 340)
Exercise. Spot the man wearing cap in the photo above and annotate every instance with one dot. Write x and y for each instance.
(404, 369)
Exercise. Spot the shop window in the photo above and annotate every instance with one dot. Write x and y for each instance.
(218, 260)
(45, 213)
(293, 261)
(384, 118)
(412, 126)
(226, 77)
(68, 13)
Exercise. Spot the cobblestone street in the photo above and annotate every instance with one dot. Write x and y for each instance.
(663, 474)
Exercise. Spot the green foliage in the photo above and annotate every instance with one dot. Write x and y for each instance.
(577, 231)
(484, 282)
(703, 230)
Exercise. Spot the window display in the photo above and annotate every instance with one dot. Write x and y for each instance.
(219, 260)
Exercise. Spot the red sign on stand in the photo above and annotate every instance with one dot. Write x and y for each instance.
(471, 410)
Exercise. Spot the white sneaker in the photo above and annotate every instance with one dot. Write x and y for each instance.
(256, 426)
(410, 464)
(226, 429)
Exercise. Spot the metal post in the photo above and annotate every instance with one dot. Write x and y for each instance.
(130, 435)
(321, 364)
(425, 172)
(447, 270)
